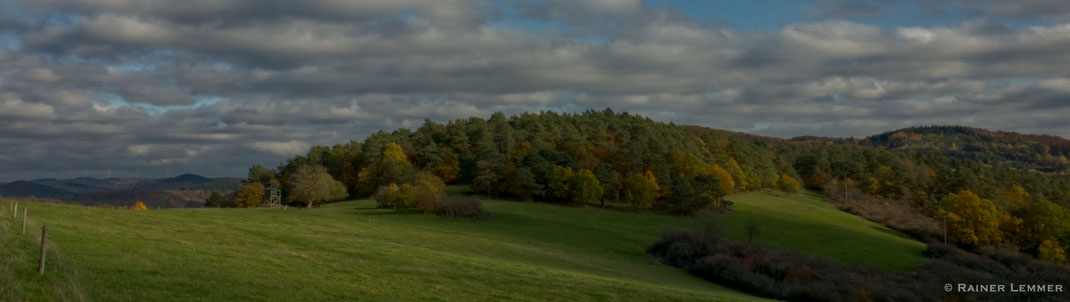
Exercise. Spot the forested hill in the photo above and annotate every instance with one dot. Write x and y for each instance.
(1026, 151)
(605, 157)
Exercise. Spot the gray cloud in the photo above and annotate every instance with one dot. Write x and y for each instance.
(215, 86)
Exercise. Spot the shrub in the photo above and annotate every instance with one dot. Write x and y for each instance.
(1050, 250)
(139, 206)
(395, 196)
(461, 207)
(428, 190)
(787, 183)
(777, 274)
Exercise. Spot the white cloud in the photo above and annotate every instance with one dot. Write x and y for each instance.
(287, 148)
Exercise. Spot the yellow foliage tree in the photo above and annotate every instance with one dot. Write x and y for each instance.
(787, 183)
(971, 220)
(1016, 196)
(1051, 250)
(737, 174)
(557, 183)
(723, 178)
(393, 152)
(687, 164)
(139, 206)
(654, 182)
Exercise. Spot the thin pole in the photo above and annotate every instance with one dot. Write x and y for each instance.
(24, 210)
(44, 238)
(15, 212)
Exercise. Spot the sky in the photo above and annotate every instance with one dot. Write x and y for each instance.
(160, 87)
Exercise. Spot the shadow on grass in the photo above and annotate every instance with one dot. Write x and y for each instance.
(895, 233)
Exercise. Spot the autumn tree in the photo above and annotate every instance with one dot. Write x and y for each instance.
(724, 178)
(1051, 250)
(638, 190)
(249, 195)
(787, 183)
(584, 187)
(687, 164)
(395, 166)
(1042, 220)
(1016, 196)
(653, 180)
(557, 182)
(312, 185)
(972, 221)
(428, 190)
(395, 196)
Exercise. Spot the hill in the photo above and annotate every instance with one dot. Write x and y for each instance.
(354, 251)
(25, 188)
(187, 190)
(1044, 153)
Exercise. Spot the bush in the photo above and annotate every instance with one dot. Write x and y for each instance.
(428, 189)
(139, 206)
(777, 274)
(460, 207)
(395, 196)
(787, 183)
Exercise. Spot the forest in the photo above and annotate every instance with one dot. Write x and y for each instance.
(1005, 189)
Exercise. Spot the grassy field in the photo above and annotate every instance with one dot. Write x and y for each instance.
(352, 251)
(803, 222)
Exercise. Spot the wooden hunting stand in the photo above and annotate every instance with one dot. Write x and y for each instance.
(274, 197)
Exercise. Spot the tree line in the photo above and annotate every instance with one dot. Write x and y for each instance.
(605, 157)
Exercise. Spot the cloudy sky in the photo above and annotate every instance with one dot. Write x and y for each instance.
(213, 86)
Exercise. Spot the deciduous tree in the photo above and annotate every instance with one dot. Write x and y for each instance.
(638, 191)
(584, 187)
(972, 221)
(249, 195)
(312, 185)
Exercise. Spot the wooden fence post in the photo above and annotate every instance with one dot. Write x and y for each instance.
(44, 238)
(24, 210)
(15, 211)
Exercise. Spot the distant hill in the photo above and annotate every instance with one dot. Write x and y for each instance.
(26, 189)
(1044, 153)
(187, 190)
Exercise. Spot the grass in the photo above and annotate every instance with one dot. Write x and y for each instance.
(804, 223)
(353, 251)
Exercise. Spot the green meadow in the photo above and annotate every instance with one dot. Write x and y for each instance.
(353, 251)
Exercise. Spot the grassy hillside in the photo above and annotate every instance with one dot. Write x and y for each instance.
(802, 222)
(352, 251)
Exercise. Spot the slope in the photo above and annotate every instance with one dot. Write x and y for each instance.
(352, 251)
(802, 222)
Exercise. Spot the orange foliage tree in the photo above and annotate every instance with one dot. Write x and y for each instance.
(139, 206)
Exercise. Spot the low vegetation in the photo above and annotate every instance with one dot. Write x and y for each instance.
(774, 273)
